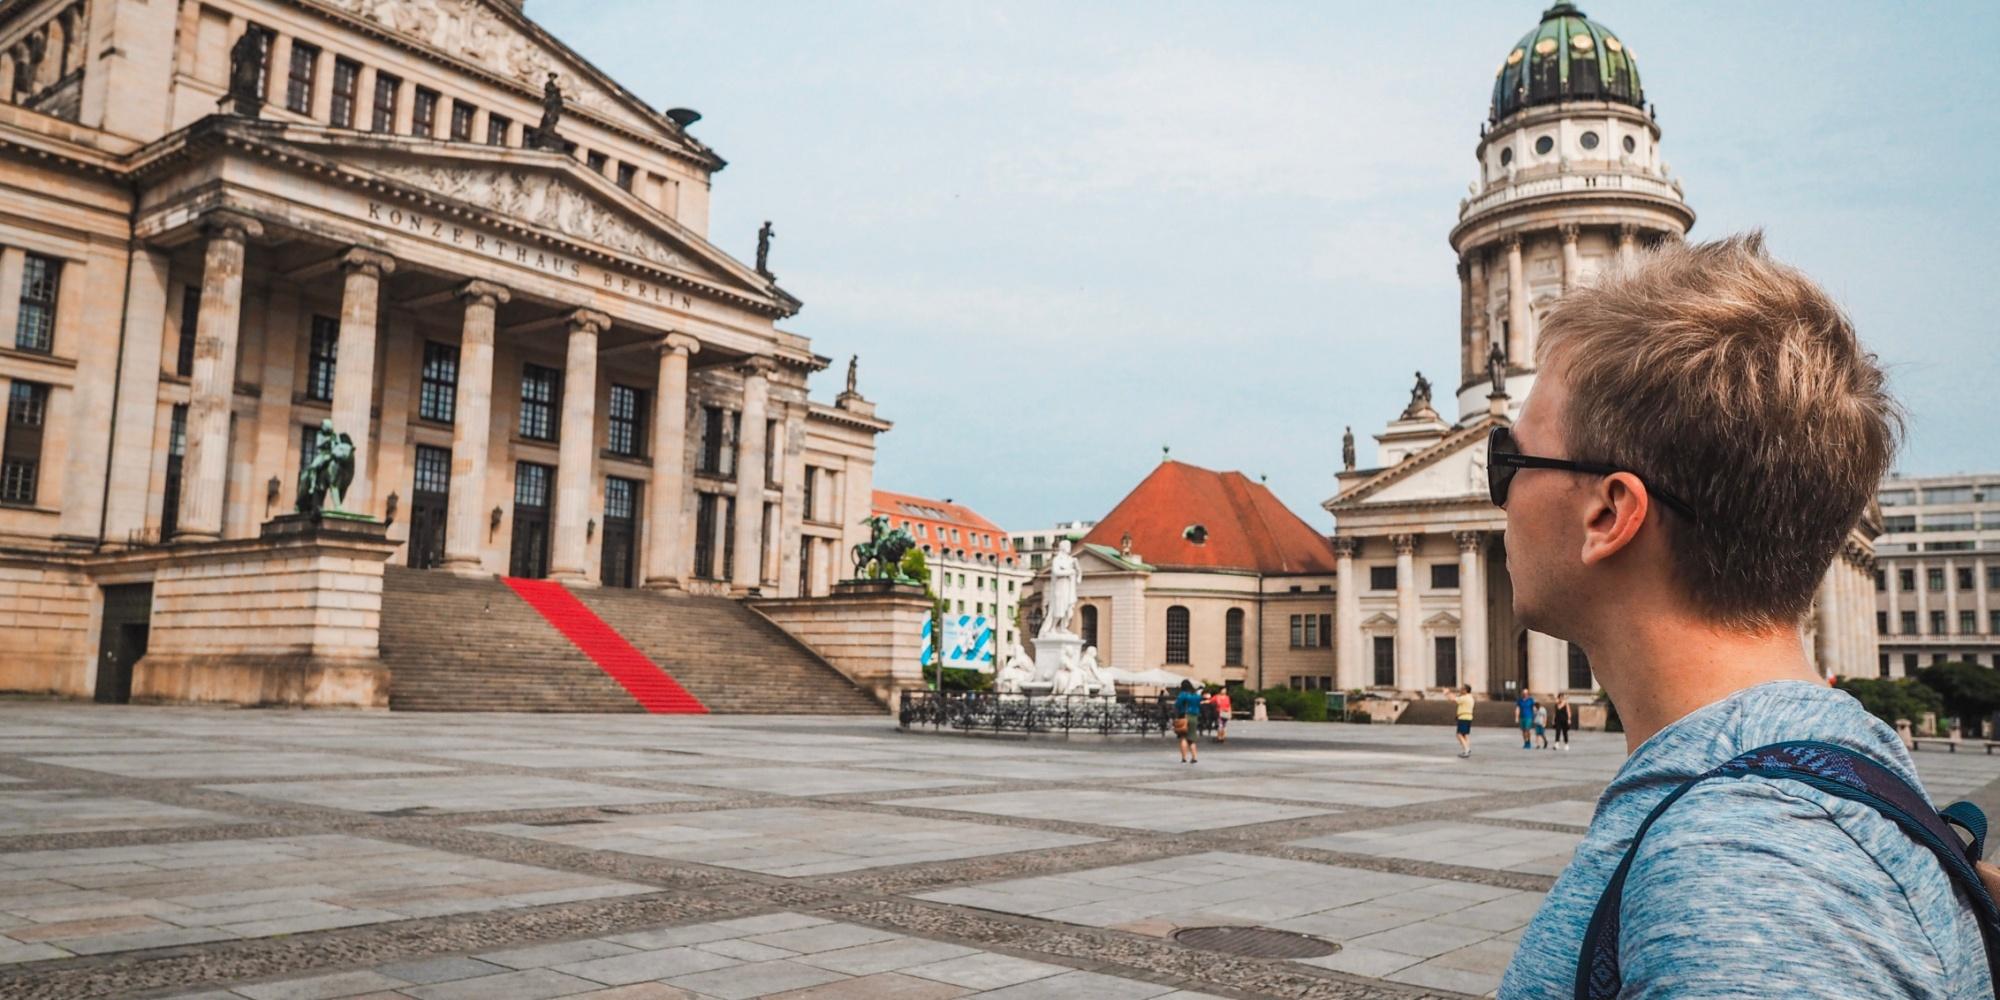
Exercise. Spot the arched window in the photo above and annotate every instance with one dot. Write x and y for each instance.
(1579, 669)
(1232, 638)
(1177, 634)
(1089, 615)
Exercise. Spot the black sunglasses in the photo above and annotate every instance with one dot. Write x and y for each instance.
(1504, 458)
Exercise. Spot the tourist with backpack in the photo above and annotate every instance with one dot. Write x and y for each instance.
(1702, 435)
(1187, 720)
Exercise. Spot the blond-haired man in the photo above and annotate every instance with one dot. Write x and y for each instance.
(1704, 432)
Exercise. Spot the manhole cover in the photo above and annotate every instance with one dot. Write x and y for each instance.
(1255, 942)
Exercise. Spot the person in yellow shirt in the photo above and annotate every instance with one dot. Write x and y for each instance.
(1464, 700)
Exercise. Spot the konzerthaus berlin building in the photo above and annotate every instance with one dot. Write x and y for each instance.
(546, 367)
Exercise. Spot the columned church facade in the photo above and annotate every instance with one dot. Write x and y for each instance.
(1570, 182)
(545, 366)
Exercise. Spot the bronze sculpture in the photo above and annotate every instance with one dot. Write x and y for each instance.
(327, 473)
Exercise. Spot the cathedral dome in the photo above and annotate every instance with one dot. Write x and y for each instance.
(1568, 57)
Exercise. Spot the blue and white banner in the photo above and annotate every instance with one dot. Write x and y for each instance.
(968, 642)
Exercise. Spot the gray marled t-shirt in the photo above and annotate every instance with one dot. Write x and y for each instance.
(1756, 887)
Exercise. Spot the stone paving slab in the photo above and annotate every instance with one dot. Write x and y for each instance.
(1573, 812)
(1308, 787)
(1538, 852)
(235, 764)
(65, 810)
(1133, 810)
(793, 842)
(455, 793)
(798, 781)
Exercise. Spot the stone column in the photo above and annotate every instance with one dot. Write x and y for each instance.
(1468, 362)
(213, 383)
(1471, 609)
(354, 367)
(1985, 610)
(1517, 305)
(1482, 337)
(1895, 592)
(1628, 242)
(1572, 264)
(1349, 666)
(471, 427)
(746, 574)
(1951, 598)
(1923, 599)
(577, 451)
(1409, 631)
(664, 562)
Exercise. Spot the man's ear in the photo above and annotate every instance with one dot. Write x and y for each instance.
(1614, 511)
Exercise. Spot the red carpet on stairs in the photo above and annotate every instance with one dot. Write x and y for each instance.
(648, 684)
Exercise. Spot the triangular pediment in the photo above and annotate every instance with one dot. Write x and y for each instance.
(1452, 469)
(540, 191)
(497, 38)
(1380, 619)
(1095, 561)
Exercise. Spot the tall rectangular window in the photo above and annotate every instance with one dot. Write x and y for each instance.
(808, 497)
(1964, 574)
(1232, 638)
(1968, 623)
(461, 120)
(1312, 631)
(1444, 576)
(387, 90)
(714, 447)
(1177, 634)
(21, 459)
(190, 326)
(423, 113)
(626, 173)
(627, 417)
(1993, 577)
(1937, 623)
(538, 402)
(1579, 669)
(1993, 622)
(595, 161)
(299, 78)
(1447, 661)
(770, 452)
(346, 81)
(35, 329)
(438, 399)
(1934, 578)
(496, 129)
(170, 504)
(322, 357)
(1881, 623)
(1906, 579)
(1385, 661)
(1908, 621)
(433, 470)
(1326, 631)
(1381, 578)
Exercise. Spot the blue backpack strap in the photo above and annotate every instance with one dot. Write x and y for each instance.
(1834, 770)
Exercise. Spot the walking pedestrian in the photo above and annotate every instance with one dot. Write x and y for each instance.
(1524, 707)
(1560, 716)
(1542, 726)
(1187, 716)
(1464, 700)
(1222, 707)
(1703, 432)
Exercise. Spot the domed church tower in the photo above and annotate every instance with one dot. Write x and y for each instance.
(1570, 180)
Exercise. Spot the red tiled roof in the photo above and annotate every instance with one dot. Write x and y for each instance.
(1248, 528)
(906, 510)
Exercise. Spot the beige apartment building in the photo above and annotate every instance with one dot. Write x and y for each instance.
(546, 366)
(1937, 572)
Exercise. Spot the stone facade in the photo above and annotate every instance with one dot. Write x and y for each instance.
(870, 630)
(546, 367)
(1937, 572)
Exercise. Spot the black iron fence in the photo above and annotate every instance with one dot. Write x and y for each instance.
(987, 711)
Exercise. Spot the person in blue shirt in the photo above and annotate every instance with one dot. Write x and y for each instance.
(1524, 706)
(1187, 709)
(1703, 434)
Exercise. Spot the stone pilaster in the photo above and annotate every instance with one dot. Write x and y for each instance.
(354, 368)
(576, 460)
(138, 395)
(1894, 588)
(1517, 306)
(1409, 631)
(1951, 598)
(1468, 358)
(1349, 665)
(1628, 242)
(1471, 609)
(1922, 577)
(1572, 264)
(748, 571)
(665, 562)
(1482, 336)
(471, 429)
(213, 383)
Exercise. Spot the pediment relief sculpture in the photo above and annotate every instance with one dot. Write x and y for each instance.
(540, 199)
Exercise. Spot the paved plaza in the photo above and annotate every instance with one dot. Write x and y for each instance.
(283, 855)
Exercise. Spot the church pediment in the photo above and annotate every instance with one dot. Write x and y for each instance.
(498, 39)
(1454, 468)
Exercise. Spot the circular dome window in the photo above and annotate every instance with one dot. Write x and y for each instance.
(1507, 156)
(1515, 57)
(1612, 44)
(1582, 42)
(1631, 144)
(1588, 139)
(1545, 46)
(1543, 145)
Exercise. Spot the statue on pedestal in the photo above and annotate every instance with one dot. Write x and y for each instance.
(246, 70)
(884, 551)
(1059, 600)
(1015, 675)
(1420, 398)
(764, 235)
(1496, 369)
(1347, 450)
(552, 112)
(327, 473)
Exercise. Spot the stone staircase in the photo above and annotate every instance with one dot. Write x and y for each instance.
(465, 644)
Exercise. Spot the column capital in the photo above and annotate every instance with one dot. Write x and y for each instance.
(484, 293)
(1405, 544)
(374, 262)
(679, 343)
(1345, 546)
(589, 320)
(1468, 541)
(757, 366)
(235, 226)
(1628, 231)
(1512, 241)
(1569, 231)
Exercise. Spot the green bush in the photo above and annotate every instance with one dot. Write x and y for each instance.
(1890, 699)
(1969, 691)
(1285, 703)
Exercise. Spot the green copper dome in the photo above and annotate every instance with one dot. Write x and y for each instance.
(1568, 57)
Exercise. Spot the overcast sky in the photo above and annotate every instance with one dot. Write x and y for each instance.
(1062, 235)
